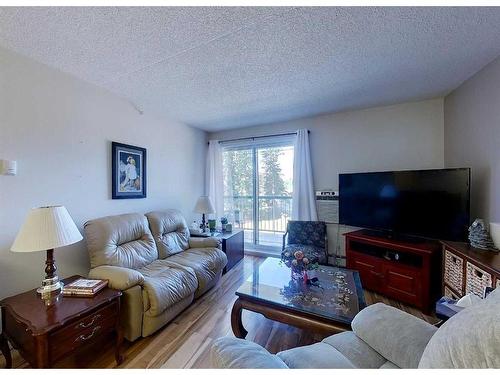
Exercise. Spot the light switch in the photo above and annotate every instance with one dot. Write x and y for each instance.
(9, 167)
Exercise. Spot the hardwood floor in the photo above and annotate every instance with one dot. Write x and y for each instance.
(185, 342)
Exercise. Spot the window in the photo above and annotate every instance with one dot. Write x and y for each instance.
(258, 183)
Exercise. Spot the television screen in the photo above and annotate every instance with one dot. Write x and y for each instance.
(426, 203)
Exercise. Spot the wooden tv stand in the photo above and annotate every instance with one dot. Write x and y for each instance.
(403, 270)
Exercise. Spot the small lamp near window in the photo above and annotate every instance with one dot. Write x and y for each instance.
(204, 206)
(44, 229)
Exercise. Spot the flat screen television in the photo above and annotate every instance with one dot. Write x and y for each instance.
(424, 203)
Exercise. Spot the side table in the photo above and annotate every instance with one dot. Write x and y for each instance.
(45, 333)
(233, 245)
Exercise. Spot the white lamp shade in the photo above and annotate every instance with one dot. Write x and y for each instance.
(46, 228)
(204, 205)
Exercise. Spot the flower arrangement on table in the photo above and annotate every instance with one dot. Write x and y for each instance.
(298, 263)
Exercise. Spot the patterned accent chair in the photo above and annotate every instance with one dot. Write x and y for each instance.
(308, 237)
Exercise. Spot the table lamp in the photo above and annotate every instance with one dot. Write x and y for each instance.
(44, 229)
(204, 206)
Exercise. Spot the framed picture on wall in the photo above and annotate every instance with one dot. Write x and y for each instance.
(128, 171)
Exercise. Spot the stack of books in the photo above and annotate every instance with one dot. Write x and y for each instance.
(84, 288)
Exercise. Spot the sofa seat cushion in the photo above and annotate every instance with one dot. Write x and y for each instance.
(206, 262)
(313, 253)
(358, 352)
(319, 355)
(165, 284)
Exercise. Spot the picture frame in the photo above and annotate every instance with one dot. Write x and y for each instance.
(128, 171)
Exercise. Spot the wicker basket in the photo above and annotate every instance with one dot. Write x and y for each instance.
(453, 271)
(476, 280)
(450, 293)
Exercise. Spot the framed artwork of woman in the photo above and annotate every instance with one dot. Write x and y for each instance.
(128, 171)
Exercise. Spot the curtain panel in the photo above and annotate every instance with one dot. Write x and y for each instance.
(214, 185)
(303, 196)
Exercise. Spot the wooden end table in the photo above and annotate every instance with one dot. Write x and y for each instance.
(45, 332)
(232, 245)
(327, 307)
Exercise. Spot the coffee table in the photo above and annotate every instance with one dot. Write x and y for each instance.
(327, 307)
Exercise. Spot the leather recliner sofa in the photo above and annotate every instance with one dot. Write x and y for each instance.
(384, 337)
(154, 262)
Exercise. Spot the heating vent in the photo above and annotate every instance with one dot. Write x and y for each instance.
(327, 205)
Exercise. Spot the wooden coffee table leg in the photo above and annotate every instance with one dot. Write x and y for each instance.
(4, 347)
(236, 323)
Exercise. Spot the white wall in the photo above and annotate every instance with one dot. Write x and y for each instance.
(403, 136)
(472, 137)
(59, 130)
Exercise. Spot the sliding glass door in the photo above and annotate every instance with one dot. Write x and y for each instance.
(238, 172)
(274, 198)
(258, 182)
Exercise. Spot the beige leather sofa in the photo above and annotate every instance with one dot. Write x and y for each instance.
(154, 262)
(385, 337)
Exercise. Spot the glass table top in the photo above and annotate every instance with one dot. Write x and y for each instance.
(337, 295)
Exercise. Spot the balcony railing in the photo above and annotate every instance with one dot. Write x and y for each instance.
(273, 215)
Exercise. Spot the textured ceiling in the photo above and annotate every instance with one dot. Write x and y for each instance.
(219, 68)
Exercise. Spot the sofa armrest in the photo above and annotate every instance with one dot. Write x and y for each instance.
(118, 277)
(398, 336)
(233, 353)
(204, 242)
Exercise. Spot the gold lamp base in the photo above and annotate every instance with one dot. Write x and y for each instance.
(50, 286)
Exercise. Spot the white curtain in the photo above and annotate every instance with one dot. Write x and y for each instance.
(214, 187)
(303, 196)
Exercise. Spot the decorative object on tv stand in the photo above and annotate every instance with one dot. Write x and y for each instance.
(223, 223)
(479, 236)
(204, 206)
(45, 229)
(128, 171)
(495, 234)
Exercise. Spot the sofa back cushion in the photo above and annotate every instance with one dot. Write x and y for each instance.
(121, 240)
(469, 339)
(170, 232)
(397, 336)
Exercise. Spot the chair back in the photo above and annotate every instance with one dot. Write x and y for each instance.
(307, 233)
